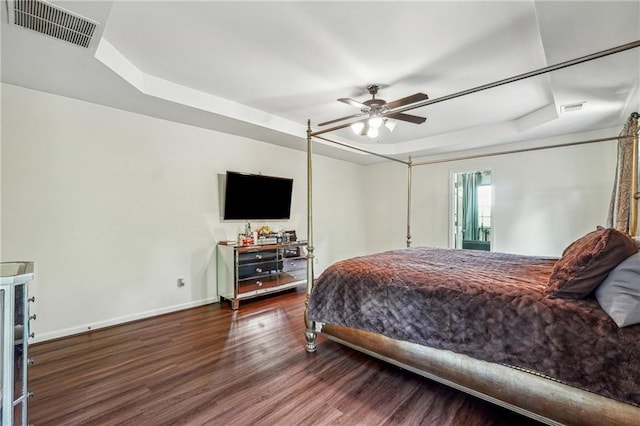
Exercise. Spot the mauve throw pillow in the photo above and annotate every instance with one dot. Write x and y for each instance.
(587, 262)
(619, 293)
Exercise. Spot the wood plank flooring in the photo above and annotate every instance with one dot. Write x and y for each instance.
(213, 366)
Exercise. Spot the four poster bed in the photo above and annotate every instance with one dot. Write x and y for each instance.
(523, 332)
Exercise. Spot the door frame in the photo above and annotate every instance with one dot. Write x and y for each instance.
(452, 201)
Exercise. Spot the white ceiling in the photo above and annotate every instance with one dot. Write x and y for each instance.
(262, 69)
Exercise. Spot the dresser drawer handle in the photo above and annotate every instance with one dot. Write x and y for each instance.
(258, 256)
(258, 269)
(259, 283)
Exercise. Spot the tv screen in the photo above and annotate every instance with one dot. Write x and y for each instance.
(251, 197)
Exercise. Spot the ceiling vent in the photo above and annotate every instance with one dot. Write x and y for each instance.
(52, 20)
(572, 107)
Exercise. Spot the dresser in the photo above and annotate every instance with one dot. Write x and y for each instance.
(250, 271)
(14, 304)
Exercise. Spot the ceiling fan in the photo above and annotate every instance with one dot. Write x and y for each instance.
(375, 107)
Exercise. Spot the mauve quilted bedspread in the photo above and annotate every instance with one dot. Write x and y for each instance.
(488, 305)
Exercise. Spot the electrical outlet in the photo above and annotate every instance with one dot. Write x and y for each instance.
(180, 282)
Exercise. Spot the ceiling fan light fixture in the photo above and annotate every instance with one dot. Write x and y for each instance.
(375, 110)
(390, 124)
(375, 122)
(357, 127)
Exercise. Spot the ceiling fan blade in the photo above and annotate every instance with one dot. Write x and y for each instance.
(408, 100)
(340, 119)
(408, 117)
(351, 102)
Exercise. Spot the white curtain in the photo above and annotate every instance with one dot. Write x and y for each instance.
(623, 209)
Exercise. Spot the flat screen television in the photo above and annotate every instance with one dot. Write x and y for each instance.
(256, 197)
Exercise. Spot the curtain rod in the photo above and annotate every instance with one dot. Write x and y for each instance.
(515, 151)
(513, 79)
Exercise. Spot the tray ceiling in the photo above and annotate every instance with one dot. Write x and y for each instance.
(262, 69)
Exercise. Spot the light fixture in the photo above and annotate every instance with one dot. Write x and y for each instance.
(357, 127)
(372, 125)
(375, 122)
(390, 124)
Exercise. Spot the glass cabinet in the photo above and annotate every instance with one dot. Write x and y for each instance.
(14, 311)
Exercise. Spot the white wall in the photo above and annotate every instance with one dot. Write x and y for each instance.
(543, 199)
(113, 207)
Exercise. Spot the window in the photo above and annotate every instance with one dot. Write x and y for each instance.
(484, 206)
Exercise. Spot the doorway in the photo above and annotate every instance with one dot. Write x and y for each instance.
(472, 205)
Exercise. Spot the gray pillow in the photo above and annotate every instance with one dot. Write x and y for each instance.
(619, 293)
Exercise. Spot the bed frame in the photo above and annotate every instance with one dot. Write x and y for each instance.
(526, 392)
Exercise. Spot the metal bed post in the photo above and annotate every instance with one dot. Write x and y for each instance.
(635, 194)
(310, 327)
(409, 173)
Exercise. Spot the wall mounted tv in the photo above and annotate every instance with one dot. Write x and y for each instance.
(256, 197)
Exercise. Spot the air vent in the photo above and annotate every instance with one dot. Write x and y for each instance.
(53, 21)
(572, 107)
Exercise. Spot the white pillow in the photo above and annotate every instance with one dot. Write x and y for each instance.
(619, 293)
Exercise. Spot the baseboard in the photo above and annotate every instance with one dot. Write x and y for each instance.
(119, 320)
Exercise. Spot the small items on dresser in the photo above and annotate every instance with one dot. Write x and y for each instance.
(264, 236)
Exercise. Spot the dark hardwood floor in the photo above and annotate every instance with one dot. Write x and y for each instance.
(210, 365)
